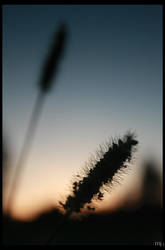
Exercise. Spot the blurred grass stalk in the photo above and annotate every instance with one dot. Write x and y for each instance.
(109, 161)
(49, 71)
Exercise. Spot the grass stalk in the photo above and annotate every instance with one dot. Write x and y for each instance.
(49, 71)
(25, 150)
(109, 162)
(53, 236)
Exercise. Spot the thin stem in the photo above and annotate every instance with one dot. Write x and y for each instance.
(25, 149)
(53, 237)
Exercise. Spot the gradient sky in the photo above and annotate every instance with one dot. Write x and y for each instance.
(109, 81)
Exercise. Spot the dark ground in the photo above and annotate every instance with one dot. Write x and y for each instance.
(138, 227)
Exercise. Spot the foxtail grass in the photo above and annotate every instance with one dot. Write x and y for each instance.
(99, 173)
(55, 53)
(49, 72)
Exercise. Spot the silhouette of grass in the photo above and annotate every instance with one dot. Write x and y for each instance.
(100, 172)
(52, 61)
(49, 71)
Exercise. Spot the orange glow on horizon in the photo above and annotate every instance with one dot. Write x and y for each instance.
(37, 198)
(28, 210)
(29, 213)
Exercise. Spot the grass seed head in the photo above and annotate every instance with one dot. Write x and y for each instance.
(50, 66)
(101, 173)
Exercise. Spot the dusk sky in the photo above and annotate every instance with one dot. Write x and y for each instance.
(109, 81)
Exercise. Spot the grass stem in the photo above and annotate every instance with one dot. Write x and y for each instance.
(25, 150)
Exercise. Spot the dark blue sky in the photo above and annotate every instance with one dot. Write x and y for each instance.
(109, 81)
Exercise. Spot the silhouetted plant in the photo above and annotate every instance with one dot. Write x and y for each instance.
(49, 71)
(98, 173)
(52, 61)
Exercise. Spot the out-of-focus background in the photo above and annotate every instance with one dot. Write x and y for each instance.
(109, 81)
